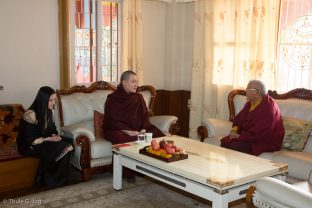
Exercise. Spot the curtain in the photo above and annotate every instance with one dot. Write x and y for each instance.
(294, 68)
(132, 37)
(234, 41)
(64, 43)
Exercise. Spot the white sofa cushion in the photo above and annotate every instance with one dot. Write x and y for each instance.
(299, 163)
(296, 108)
(217, 127)
(276, 193)
(80, 106)
(163, 123)
(101, 161)
(214, 140)
(101, 148)
(147, 97)
(239, 103)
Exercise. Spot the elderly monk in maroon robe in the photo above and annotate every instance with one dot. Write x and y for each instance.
(126, 113)
(258, 127)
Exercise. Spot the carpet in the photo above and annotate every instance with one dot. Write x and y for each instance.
(98, 192)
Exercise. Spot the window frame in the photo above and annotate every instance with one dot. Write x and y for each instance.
(98, 23)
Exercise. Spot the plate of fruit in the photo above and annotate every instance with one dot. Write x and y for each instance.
(164, 150)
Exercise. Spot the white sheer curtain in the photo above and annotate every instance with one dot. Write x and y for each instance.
(234, 42)
(132, 37)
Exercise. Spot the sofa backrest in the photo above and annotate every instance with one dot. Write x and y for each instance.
(78, 103)
(149, 94)
(296, 103)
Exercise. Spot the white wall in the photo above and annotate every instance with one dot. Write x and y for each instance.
(167, 44)
(154, 25)
(29, 49)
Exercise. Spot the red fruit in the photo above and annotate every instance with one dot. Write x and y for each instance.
(169, 150)
(169, 145)
(155, 146)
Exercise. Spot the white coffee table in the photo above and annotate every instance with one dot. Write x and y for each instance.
(211, 172)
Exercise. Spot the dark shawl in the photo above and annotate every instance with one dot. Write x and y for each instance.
(262, 128)
(126, 111)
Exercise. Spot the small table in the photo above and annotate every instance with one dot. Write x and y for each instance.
(211, 172)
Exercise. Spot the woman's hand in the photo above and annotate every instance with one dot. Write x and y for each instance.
(55, 138)
(38, 141)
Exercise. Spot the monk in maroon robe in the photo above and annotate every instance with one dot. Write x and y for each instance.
(258, 127)
(126, 113)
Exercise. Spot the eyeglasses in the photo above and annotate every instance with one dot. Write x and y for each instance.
(251, 89)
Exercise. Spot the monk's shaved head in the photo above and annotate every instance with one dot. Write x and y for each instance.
(125, 75)
(129, 81)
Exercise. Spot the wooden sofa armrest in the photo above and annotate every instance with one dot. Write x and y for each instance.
(166, 123)
(85, 157)
(202, 131)
(175, 128)
(249, 194)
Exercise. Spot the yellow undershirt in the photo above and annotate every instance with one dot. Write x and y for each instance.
(254, 105)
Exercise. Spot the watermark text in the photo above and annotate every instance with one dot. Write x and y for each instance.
(22, 201)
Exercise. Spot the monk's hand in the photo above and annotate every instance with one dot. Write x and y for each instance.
(131, 133)
(233, 135)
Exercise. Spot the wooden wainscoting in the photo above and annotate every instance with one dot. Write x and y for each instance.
(174, 103)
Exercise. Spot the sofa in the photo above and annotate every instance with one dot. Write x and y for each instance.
(77, 106)
(294, 105)
(16, 171)
(270, 192)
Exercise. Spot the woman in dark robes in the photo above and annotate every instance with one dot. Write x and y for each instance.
(39, 138)
(126, 113)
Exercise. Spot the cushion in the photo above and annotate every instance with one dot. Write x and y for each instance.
(98, 124)
(296, 133)
(10, 116)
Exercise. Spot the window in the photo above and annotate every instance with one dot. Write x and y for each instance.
(294, 66)
(95, 40)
